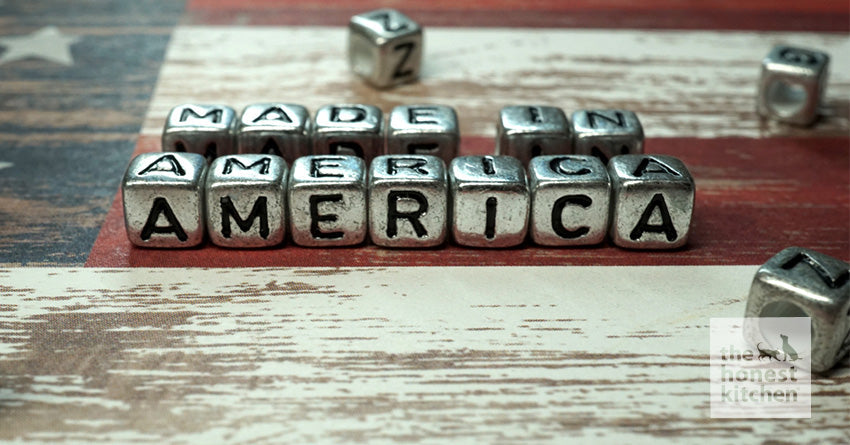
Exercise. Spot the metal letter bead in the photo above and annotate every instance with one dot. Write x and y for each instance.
(606, 133)
(204, 129)
(792, 84)
(569, 200)
(350, 129)
(803, 283)
(408, 201)
(275, 129)
(327, 201)
(245, 204)
(526, 131)
(163, 203)
(490, 201)
(423, 129)
(384, 47)
(652, 201)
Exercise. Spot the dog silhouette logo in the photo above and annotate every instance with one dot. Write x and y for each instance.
(788, 353)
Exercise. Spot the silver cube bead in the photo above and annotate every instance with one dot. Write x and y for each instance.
(800, 282)
(652, 201)
(792, 84)
(408, 201)
(203, 129)
(278, 129)
(606, 133)
(163, 199)
(490, 201)
(526, 131)
(349, 130)
(423, 129)
(570, 198)
(245, 202)
(327, 201)
(384, 47)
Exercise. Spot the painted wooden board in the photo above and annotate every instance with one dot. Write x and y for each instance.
(681, 83)
(393, 355)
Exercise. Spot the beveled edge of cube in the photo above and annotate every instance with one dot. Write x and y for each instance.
(360, 23)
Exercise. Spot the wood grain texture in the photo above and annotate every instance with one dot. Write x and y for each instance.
(680, 83)
(401, 355)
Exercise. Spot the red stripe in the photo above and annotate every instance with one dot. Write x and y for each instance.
(754, 198)
(823, 16)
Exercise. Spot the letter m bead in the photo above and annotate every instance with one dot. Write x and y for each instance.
(800, 282)
(384, 47)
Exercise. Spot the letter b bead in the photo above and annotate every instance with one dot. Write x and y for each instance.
(408, 201)
(653, 200)
(245, 200)
(162, 199)
(384, 47)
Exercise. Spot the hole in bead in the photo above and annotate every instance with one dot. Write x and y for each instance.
(782, 309)
(786, 99)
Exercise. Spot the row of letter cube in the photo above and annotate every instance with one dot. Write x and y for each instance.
(642, 201)
(286, 130)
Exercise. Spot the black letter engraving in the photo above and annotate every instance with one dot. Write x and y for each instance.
(317, 165)
(316, 218)
(170, 165)
(644, 167)
(160, 207)
(215, 114)
(408, 49)
(414, 164)
(593, 115)
(228, 211)
(263, 163)
(490, 225)
(384, 18)
(557, 166)
(393, 214)
(823, 273)
(666, 226)
(558, 225)
(273, 114)
(487, 164)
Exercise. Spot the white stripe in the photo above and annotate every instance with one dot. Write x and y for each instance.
(681, 83)
(474, 351)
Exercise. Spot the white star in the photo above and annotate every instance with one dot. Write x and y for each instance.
(5, 165)
(47, 43)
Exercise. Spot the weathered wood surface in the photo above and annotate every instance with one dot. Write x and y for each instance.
(397, 355)
(67, 131)
(681, 83)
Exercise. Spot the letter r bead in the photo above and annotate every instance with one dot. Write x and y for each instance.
(653, 201)
(408, 201)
